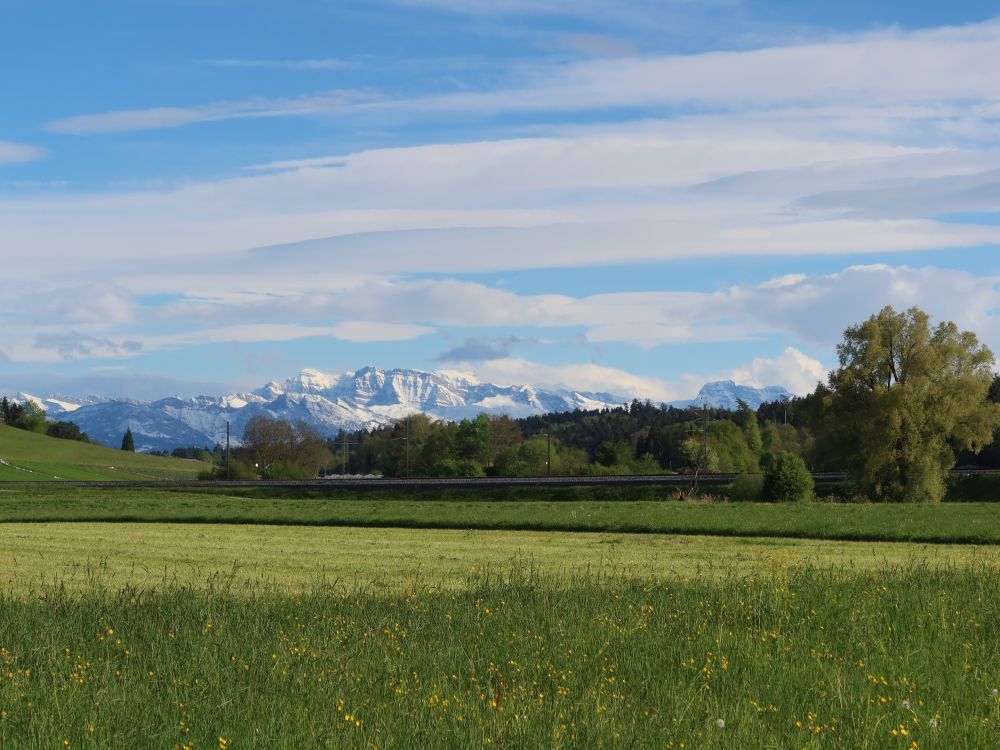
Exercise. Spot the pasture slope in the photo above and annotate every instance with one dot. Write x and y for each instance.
(27, 456)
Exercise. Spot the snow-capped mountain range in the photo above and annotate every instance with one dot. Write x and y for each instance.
(363, 399)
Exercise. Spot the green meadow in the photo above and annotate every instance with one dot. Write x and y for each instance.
(779, 656)
(27, 456)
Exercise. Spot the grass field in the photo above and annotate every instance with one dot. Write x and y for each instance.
(295, 558)
(777, 658)
(942, 523)
(29, 456)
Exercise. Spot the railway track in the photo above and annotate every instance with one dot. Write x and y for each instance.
(358, 482)
(331, 482)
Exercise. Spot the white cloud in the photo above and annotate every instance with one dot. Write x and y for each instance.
(584, 376)
(359, 330)
(594, 243)
(13, 153)
(591, 197)
(100, 304)
(791, 369)
(803, 308)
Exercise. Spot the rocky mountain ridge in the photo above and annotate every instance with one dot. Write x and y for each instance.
(364, 399)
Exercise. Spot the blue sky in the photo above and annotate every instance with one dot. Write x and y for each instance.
(632, 197)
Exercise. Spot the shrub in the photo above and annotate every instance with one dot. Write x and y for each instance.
(747, 488)
(238, 472)
(788, 479)
(286, 470)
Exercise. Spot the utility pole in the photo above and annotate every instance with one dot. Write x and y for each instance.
(346, 449)
(548, 444)
(406, 439)
(704, 442)
(703, 456)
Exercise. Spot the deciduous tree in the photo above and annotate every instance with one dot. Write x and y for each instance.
(904, 398)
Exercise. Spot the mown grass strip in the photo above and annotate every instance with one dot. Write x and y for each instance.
(295, 558)
(966, 523)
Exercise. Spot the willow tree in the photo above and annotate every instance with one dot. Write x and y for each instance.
(903, 400)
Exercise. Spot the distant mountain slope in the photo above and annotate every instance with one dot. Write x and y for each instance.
(29, 456)
(364, 399)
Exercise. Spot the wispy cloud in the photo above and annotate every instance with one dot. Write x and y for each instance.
(636, 13)
(327, 63)
(13, 153)
(156, 118)
(264, 330)
(946, 65)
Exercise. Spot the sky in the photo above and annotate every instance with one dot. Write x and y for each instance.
(633, 197)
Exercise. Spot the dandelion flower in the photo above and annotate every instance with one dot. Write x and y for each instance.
(720, 723)
(933, 723)
(906, 705)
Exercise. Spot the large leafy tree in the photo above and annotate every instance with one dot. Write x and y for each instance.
(905, 397)
(283, 450)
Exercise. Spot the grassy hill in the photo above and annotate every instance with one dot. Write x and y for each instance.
(27, 456)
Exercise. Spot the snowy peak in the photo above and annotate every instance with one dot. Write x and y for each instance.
(724, 394)
(308, 381)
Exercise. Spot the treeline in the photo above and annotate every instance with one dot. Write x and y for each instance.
(639, 438)
(31, 417)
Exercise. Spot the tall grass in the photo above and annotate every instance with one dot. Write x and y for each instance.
(794, 657)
